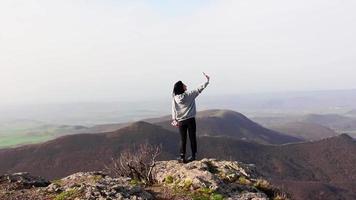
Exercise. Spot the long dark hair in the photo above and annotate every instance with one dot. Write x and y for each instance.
(178, 88)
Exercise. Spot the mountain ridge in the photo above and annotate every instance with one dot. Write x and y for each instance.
(329, 160)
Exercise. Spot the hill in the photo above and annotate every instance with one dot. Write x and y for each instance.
(351, 113)
(81, 152)
(325, 119)
(304, 130)
(227, 123)
(336, 122)
(215, 123)
(330, 161)
(315, 190)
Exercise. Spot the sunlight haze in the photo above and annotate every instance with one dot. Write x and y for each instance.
(64, 51)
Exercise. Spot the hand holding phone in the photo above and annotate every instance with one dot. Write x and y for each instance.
(174, 123)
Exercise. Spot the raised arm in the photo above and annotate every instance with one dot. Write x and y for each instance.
(194, 93)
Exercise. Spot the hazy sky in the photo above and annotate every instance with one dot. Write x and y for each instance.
(87, 50)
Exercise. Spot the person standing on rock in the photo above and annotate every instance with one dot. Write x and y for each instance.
(183, 116)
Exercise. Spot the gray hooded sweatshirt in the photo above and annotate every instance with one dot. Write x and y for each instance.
(183, 105)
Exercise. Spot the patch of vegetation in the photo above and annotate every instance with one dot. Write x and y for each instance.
(206, 194)
(229, 178)
(279, 197)
(136, 182)
(69, 194)
(57, 181)
(244, 181)
(182, 189)
(216, 196)
(269, 190)
(169, 179)
(14, 140)
(187, 183)
(200, 197)
(136, 163)
(97, 178)
(205, 190)
(262, 184)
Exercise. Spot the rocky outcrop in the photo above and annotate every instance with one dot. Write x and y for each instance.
(207, 179)
(212, 179)
(97, 185)
(23, 180)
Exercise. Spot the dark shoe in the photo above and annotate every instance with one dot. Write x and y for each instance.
(191, 158)
(182, 160)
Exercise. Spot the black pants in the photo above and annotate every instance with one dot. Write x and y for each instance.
(190, 126)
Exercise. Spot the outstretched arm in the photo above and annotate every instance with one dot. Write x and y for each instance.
(194, 93)
(202, 87)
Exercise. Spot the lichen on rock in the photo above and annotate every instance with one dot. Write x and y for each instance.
(220, 177)
(206, 179)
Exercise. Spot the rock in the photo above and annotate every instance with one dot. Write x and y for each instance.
(204, 179)
(223, 177)
(250, 196)
(54, 187)
(24, 180)
(95, 185)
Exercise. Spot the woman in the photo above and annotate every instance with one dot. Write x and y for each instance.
(183, 116)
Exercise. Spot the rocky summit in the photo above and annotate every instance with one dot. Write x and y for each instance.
(206, 179)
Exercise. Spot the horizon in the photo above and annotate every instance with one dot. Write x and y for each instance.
(251, 104)
(207, 95)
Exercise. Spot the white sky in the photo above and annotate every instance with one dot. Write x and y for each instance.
(86, 50)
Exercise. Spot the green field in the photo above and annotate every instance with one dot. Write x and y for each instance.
(15, 140)
(22, 132)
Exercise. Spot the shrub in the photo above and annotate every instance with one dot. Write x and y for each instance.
(136, 163)
(97, 178)
(262, 184)
(168, 179)
(244, 181)
(216, 197)
(281, 196)
(205, 190)
(69, 194)
(57, 182)
(206, 195)
(271, 191)
(187, 183)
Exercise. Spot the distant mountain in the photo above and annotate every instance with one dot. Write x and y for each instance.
(351, 113)
(271, 121)
(285, 123)
(331, 161)
(216, 123)
(286, 102)
(304, 130)
(325, 119)
(229, 123)
(316, 190)
(336, 122)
